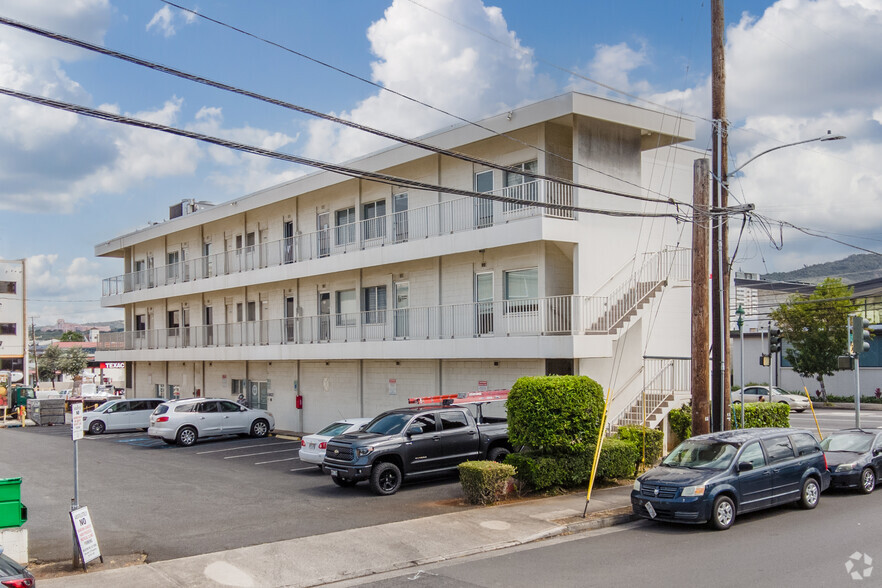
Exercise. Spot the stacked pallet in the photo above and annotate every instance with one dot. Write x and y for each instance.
(46, 411)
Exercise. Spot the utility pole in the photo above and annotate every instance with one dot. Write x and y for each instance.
(34, 339)
(700, 336)
(720, 387)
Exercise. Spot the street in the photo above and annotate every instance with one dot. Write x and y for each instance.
(831, 419)
(783, 546)
(168, 502)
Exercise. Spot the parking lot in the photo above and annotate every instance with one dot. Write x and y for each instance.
(149, 497)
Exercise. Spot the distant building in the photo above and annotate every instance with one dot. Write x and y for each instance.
(13, 316)
(64, 326)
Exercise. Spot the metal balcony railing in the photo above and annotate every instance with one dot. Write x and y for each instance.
(443, 218)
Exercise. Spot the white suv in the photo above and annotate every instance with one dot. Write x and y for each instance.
(185, 421)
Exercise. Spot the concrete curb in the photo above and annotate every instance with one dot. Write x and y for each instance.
(850, 406)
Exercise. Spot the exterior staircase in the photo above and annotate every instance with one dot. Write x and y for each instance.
(666, 385)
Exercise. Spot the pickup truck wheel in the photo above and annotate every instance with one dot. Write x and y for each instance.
(385, 479)
(96, 428)
(497, 454)
(343, 482)
(186, 437)
(259, 428)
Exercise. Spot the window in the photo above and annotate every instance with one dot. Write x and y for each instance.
(424, 423)
(483, 208)
(805, 444)
(753, 455)
(779, 449)
(347, 307)
(240, 312)
(454, 419)
(252, 311)
(7, 287)
(520, 187)
(174, 319)
(207, 407)
(521, 290)
(374, 304)
(344, 221)
(8, 328)
(227, 406)
(484, 181)
(172, 269)
(374, 217)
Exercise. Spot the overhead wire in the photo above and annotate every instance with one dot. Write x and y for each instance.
(330, 167)
(409, 98)
(226, 87)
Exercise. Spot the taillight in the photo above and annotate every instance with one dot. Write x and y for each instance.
(302, 443)
(20, 583)
(162, 420)
(825, 461)
(323, 445)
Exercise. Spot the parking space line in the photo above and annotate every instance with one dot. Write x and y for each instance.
(260, 453)
(300, 469)
(275, 460)
(247, 447)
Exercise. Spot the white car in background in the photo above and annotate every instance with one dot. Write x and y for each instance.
(188, 420)
(312, 447)
(120, 415)
(761, 394)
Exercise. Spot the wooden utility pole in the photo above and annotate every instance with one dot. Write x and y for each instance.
(720, 386)
(700, 335)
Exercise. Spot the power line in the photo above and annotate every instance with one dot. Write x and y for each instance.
(219, 85)
(415, 100)
(329, 167)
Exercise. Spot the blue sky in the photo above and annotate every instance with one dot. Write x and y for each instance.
(796, 68)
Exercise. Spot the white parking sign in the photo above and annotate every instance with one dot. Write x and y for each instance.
(76, 411)
(86, 538)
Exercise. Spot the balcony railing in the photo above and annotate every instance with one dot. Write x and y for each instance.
(443, 218)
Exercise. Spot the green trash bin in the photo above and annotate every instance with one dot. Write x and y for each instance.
(12, 512)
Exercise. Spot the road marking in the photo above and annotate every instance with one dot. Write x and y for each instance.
(246, 447)
(260, 453)
(300, 469)
(275, 460)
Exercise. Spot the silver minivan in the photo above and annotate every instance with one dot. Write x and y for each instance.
(120, 415)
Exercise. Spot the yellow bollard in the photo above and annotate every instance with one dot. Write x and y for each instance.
(21, 412)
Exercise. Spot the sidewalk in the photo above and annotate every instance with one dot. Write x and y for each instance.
(345, 555)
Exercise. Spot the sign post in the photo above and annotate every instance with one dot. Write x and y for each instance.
(76, 432)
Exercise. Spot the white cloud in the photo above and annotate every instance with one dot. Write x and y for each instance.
(433, 59)
(70, 290)
(612, 65)
(165, 18)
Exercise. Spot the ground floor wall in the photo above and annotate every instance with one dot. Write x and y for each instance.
(329, 390)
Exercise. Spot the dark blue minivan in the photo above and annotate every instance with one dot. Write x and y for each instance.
(712, 478)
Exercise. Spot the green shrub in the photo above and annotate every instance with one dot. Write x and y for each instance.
(636, 434)
(761, 414)
(567, 469)
(554, 413)
(680, 420)
(484, 482)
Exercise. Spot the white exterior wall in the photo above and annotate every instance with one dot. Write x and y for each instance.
(12, 311)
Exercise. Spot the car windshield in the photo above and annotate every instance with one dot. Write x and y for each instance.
(857, 442)
(388, 424)
(104, 406)
(334, 429)
(712, 455)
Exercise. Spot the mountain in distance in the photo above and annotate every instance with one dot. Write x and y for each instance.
(854, 268)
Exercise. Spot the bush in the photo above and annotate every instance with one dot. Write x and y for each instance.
(850, 399)
(635, 434)
(762, 414)
(484, 482)
(554, 413)
(566, 468)
(680, 420)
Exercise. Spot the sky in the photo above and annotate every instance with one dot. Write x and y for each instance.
(796, 69)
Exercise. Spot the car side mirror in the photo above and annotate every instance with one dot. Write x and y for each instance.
(414, 430)
(242, 409)
(745, 466)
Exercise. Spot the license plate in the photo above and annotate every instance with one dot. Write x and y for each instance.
(651, 510)
(312, 445)
(335, 473)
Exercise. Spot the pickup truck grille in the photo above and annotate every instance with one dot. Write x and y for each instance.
(339, 452)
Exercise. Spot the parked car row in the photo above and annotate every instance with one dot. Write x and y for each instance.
(715, 477)
(181, 422)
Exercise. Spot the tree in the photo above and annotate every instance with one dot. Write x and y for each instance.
(74, 361)
(816, 327)
(49, 362)
(72, 336)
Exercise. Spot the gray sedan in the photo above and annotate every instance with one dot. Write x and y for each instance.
(761, 394)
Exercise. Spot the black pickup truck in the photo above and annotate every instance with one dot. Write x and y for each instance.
(415, 441)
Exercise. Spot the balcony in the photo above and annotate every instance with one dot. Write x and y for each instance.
(444, 218)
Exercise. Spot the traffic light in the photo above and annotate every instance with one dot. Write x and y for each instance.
(774, 340)
(861, 334)
(851, 335)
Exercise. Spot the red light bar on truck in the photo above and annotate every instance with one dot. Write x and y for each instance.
(461, 398)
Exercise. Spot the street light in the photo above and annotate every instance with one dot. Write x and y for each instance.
(720, 324)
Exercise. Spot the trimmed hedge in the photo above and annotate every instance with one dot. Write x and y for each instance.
(761, 414)
(484, 482)
(567, 468)
(680, 420)
(554, 413)
(636, 434)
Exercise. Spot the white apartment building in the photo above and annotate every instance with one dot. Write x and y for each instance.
(329, 297)
(13, 319)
